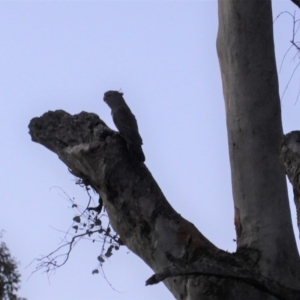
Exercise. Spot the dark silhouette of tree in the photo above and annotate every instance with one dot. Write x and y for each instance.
(10, 278)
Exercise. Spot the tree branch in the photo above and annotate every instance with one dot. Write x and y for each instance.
(211, 268)
(296, 2)
(290, 158)
(137, 208)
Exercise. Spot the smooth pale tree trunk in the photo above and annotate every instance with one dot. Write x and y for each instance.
(266, 264)
(250, 84)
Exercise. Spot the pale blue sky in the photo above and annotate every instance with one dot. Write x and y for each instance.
(65, 55)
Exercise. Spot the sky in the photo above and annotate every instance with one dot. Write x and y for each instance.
(162, 56)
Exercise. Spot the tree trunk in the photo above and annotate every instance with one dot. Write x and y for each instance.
(266, 263)
(247, 59)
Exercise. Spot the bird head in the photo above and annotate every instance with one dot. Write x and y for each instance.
(113, 99)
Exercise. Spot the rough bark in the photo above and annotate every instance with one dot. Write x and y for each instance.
(176, 251)
(266, 263)
(290, 157)
(262, 214)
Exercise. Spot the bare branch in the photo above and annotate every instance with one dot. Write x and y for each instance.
(211, 268)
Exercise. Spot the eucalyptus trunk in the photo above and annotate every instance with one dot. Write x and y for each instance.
(250, 85)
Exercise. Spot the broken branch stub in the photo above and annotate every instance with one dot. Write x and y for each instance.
(290, 158)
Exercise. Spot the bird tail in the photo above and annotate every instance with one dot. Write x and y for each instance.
(137, 152)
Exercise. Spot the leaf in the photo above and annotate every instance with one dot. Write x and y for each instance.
(76, 219)
(96, 271)
(101, 259)
(109, 251)
(108, 254)
(98, 222)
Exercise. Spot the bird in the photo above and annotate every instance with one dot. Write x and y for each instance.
(126, 123)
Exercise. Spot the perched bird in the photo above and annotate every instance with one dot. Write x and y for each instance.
(126, 123)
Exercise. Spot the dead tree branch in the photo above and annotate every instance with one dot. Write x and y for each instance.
(137, 209)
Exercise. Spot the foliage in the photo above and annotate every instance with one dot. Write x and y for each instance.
(9, 276)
